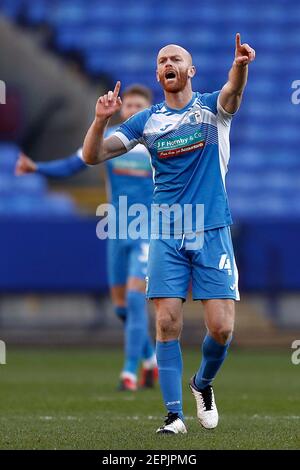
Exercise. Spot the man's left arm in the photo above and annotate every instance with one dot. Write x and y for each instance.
(231, 93)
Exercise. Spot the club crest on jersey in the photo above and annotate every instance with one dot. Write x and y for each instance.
(195, 118)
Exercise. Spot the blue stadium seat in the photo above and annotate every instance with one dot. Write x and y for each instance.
(36, 11)
(8, 156)
(67, 13)
(68, 38)
(27, 195)
(34, 185)
(60, 204)
(11, 8)
(30, 206)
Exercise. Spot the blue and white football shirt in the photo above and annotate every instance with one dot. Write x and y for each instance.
(189, 151)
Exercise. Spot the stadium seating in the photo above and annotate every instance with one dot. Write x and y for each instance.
(265, 170)
(27, 195)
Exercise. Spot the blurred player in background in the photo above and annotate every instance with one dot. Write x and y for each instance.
(188, 138)
(129, 176)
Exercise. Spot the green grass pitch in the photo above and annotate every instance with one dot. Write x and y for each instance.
(66, 399)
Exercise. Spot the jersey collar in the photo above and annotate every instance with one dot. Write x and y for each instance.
(180, 111)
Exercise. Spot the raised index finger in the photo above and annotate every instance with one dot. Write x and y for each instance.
(117, 89)
(238, 40)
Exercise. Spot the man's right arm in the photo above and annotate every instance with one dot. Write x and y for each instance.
(96, 149)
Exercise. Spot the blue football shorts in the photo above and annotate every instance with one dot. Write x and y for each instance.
(126, 258)
(211, 268)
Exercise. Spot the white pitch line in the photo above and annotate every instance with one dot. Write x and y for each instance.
(64, 418)
(275, 417)
(103, 398)
(150, 418)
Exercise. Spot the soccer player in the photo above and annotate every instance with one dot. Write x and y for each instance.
(129, 176)
(188, 138)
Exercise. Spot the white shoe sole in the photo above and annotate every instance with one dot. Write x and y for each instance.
(203, 419)
(174, 428)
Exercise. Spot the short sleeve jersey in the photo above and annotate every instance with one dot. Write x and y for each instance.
(189, 151)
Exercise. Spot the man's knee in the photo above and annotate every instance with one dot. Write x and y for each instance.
(136, 284)
(221, 333)
(220, 320)
(167, 325)
(168, 320)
